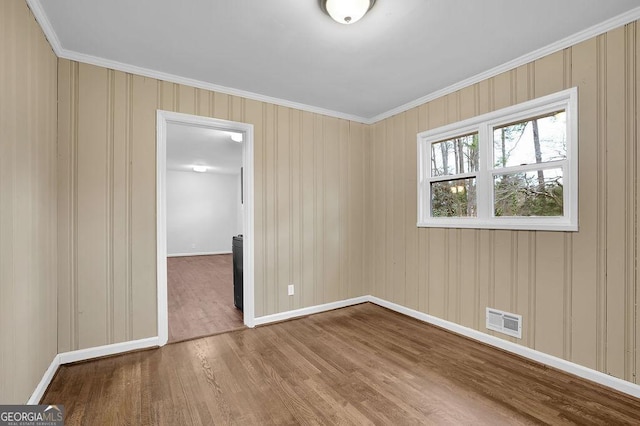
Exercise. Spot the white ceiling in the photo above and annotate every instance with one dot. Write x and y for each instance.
(292, 53)
(189, 146)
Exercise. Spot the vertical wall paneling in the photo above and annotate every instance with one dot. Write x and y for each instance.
(109, 155)
(186, 99)
(363, 217)
(128, 188)
(616, 195)
(203, 102)
(143, 202)
(351, 228)
(295, 192)
(367, 216)
(238, 109)
(635, 285)
(119, 212)
(344, 243)
(377, 212)
(601, 170)
(549, 304)
(271, 201)
(28, 203)
(585, 249)
(318, 209)
(531, 290)
(92, 218)
(331, 207)
(255, 114)
(221, 105)
(577, 292)
(567, 296)
(308, 199)
(397, 284)
(305, 198)
(411, 246)
(283, 243)
(66, 305)
(630, 179)
(7, 176)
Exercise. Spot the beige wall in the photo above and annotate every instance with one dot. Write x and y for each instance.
(27, 203)
(335, 208)
(576, 291)
(310, 194)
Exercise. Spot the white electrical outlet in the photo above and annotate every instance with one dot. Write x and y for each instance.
(290, 289)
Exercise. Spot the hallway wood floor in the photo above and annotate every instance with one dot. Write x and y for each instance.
(358, 365)
(200, 294)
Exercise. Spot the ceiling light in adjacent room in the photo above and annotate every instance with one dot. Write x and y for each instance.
(346, 11)
(200, 169)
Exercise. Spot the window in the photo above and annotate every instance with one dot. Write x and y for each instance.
(515, 168)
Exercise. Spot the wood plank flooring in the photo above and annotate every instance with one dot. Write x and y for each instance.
(358, 365)
(200, 290)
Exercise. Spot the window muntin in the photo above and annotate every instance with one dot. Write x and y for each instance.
(514, 168)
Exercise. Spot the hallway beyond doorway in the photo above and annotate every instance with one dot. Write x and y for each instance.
(200, 290)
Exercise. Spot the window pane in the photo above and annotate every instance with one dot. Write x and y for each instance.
(455, 156)
(537, 140)
(534, 193)
(454, 198)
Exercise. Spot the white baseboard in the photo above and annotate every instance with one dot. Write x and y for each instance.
(117, 348)
(113, 349)
(541, 357)
(266, 319)
(532, 354)
(83, 355)
(37, 394)
(209, 253)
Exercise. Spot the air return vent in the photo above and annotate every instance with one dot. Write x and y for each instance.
(504, 322)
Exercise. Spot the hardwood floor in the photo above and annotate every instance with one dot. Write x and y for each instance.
(358, 365)
(200, 290)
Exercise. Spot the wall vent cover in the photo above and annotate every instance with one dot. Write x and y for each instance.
(504, 322)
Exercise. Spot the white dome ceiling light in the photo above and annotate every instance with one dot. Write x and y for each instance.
(346, 11)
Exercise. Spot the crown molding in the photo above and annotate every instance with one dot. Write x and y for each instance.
(610, 24)
(47, 28)
(61, 52)
(603, 27)
(172, 78)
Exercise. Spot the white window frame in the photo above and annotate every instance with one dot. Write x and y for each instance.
(483, 125)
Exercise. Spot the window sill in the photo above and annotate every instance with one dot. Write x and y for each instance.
(533, 224)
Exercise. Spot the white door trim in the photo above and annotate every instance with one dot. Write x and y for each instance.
(163, 118)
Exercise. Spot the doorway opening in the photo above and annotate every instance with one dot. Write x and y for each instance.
(198, 236)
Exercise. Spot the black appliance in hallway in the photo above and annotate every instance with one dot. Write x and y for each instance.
(237, 271)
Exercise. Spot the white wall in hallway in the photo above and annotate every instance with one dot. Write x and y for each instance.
(203, 212)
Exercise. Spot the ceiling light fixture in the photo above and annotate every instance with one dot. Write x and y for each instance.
(236, 137)
(346, 11)
(200, 169)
